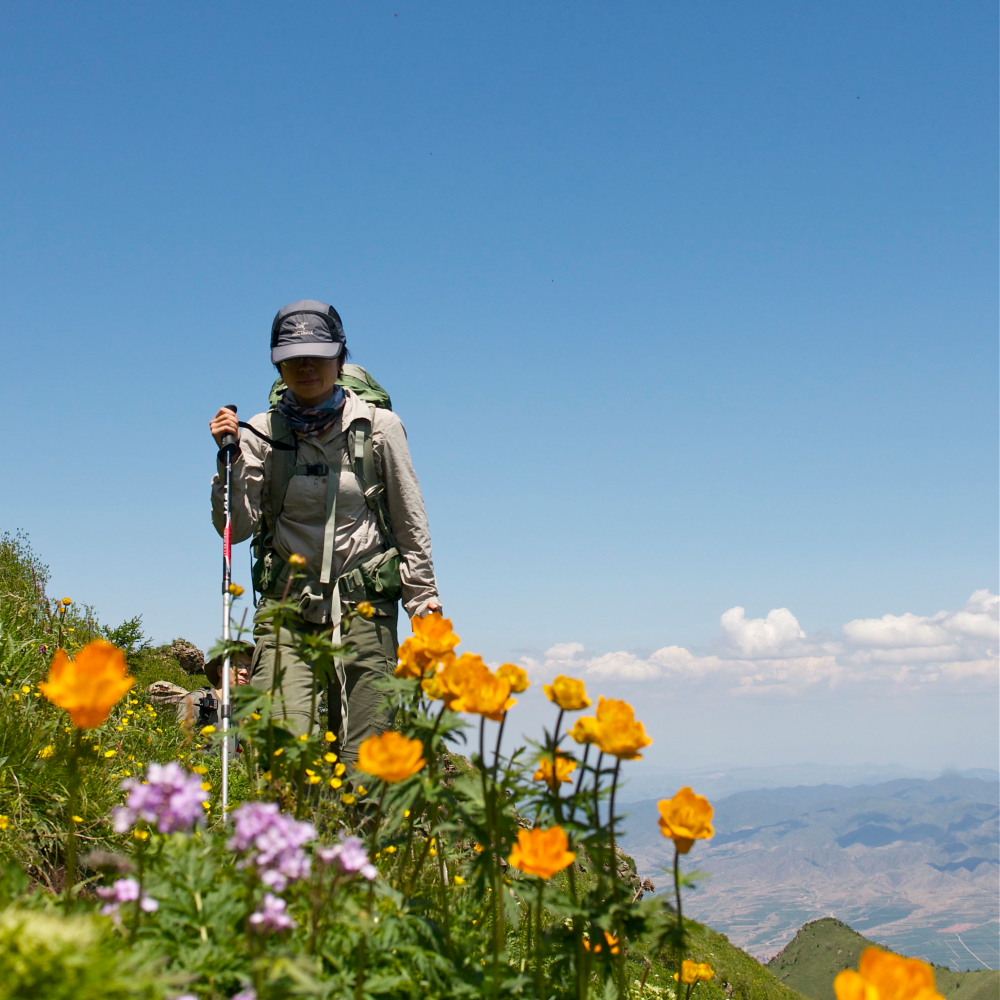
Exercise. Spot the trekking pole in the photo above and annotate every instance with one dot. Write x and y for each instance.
(227, 450)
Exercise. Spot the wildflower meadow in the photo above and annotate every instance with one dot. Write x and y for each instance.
(437, 866)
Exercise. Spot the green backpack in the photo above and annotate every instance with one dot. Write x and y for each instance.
(381, 580)
(352, 377)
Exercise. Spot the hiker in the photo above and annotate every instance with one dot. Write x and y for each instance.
(200, 707)
(361, 540)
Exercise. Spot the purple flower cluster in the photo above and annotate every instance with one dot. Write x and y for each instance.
(170, 798)
(125, 890)
(273, 842)
(351, 856)
(272, 916)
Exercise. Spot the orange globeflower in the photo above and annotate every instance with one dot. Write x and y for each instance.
(568, 693)
(516, 676)
(391, 756)
(685, 818)
(882, 975)
(564, 767)
(542, 852)
(430, 646)
(89, 686)
(483, 693)
(586, 730)
(435, 632)
(621, 735)
(451, 680)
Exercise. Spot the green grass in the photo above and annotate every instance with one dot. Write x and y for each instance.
(823, 948)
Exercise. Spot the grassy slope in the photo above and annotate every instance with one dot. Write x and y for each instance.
(748, 978)
(822, 948)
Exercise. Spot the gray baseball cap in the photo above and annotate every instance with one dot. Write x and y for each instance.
(306, 329)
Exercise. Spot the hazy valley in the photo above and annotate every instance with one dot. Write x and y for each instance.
(911, 863)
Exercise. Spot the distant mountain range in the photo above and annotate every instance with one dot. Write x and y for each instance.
(911, 863)
(646, 781)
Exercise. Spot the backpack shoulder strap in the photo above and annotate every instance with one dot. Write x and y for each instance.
(362, 456)
(282, 463)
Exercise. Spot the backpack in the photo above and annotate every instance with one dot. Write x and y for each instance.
(194, 708)
(379, 581)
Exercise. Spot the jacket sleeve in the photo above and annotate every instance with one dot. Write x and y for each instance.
(247, 486)
(407, 512)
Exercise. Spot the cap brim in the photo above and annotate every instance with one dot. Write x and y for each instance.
(316, 349)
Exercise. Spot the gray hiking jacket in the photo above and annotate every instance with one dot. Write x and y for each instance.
(301, 525)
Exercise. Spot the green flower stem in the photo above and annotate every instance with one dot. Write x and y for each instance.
(359, 981)
(140, 864)
(373, 839)
(72, 805)
(538, 948)
(580, 967)
(496, 749)
(579, 780)
(489, 790)
(679, 945)
(611, 827)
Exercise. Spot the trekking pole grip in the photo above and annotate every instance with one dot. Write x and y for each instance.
(229, 443)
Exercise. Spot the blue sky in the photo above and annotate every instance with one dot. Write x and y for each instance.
(687, 308)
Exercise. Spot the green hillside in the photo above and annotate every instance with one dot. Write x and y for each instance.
(823, 948)
(736, 973)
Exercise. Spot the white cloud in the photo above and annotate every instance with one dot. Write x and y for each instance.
(895, 631)
(778, 633)
(773, 654)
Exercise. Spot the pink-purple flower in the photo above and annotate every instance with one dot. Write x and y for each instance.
(351, 856)
(170, 799)
(273, 842)
(272, 915)
(125, 890)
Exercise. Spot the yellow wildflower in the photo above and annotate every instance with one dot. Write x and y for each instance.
(516, 676)
(366, 609)
(46, 752)
(4, 822)
(236, 590)
(621, 735)
(554, 776)
(694, 972)
(685, 818)
(568, 693)
(296, 560)
(586, 730)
